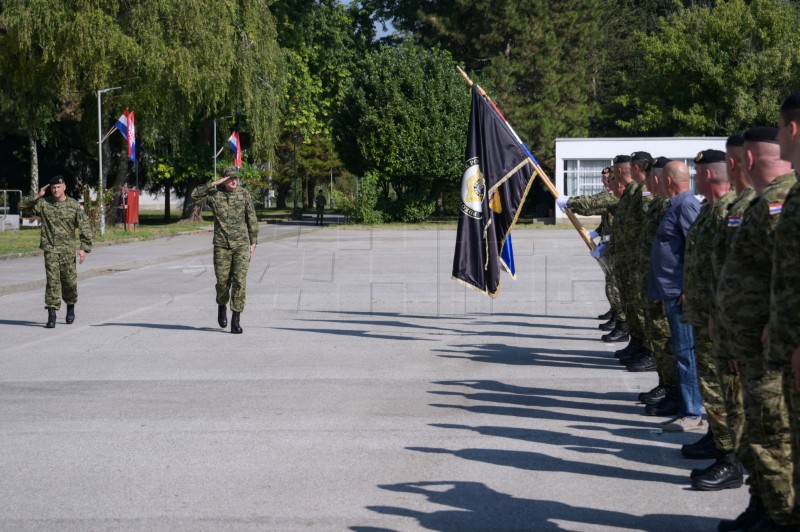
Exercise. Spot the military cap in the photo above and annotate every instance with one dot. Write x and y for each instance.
(735, 140)
(791, 103)
(606, 170)
(661, 162)
(710, 157)
(641, 156)
(762, 134)
(619, 159)
(230, 171)
(57, 180)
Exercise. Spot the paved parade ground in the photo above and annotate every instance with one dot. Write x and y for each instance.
(369, 392)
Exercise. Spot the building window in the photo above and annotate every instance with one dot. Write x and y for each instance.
(582, 177)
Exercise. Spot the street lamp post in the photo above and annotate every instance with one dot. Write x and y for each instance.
(296, 213)
(101, 189)
(215, 143)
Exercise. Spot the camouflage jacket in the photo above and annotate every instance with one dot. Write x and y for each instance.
(596, 204)
(60, 220)
(722, 238)
(784, 315)
(235, 222)
(632, 222)
(698, 277)
(744, 284)
(618, 247)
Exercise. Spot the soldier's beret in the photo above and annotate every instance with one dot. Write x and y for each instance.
(710, 157)
(606, 170)
(661, 162)
(230, 171)
(57, 180)
(791, 103)
(641, 156)
(620, 159)
(762, 134)
(646, 166)
(735, 140)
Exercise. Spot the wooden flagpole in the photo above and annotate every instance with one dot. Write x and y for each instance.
(538, 170)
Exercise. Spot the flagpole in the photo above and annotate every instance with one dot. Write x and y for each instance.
(572, 218)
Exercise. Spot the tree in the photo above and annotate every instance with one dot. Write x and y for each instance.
(405, 119)
(715, 70)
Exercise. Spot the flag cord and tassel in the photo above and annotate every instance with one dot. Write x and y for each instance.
(572, 218)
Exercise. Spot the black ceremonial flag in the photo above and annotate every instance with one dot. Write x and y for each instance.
(496, 180)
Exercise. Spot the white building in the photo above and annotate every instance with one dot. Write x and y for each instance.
(579, 161)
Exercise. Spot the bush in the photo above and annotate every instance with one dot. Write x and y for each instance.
(362, 210)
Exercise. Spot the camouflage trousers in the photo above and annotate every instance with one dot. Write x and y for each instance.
(792, 396)
(612, 294)
(658, 342)
(230, 267)
(631, 301)
(62, 279)
(766, 425)
(711, 390)
(614, 279)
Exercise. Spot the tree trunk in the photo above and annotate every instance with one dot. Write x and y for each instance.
(167, 214)
(34, 163)
(191, 210)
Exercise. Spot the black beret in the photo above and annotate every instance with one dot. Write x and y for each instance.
(661, 162)
(791, 103)
(606, 170)
(641, 156)
(619, 159)
(762, 134)
(57, 180)
(735, 140)
(710, 157)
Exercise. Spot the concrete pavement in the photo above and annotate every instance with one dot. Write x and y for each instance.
(368, 392)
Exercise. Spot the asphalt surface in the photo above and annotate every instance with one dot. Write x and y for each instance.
(369, 392)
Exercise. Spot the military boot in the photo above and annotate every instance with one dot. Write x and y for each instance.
(669, 406)
(654, 395)
(235, 329)
(51, 318)
(609, 325)
(645, 363)
(755, 510)
(633, 347)
(702, 449)
(725, 473)
(607, 315)
(222, 316)
(70, 313)
(619, 334)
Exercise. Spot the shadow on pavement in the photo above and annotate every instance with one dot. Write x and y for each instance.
(475, 506)
(530, 356)
(23, 323)
(167, 326)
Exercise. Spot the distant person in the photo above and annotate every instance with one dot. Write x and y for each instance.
(235, 237)
(320, 201)
(61, 217)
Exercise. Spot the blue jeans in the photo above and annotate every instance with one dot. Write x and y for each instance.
(685, 364)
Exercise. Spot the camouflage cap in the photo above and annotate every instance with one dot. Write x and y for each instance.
(230, 171)
(57, 180)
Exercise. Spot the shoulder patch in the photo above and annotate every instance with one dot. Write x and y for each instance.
(645, 193)
(734, 221)
(775, 208)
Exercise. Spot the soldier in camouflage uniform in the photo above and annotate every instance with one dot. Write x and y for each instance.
(742, 314)
(712, 182)
(235, 237)
(600, 204)
(783, 351)
(61, 217)
(656, 326)
(631, 214)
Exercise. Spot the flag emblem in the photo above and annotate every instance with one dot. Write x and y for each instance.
(775, 208)
(734, 221)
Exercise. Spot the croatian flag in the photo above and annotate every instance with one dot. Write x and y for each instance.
(236, 147)
(125, 125)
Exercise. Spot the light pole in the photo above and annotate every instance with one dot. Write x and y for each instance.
(215, 143)
(101, 189)
(296, 213)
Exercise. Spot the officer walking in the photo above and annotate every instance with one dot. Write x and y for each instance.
(61, 217)
(235, 237)
(320, 201)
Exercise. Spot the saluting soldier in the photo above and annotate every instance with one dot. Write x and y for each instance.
(743, 312)
(235, 238)
(60, 216)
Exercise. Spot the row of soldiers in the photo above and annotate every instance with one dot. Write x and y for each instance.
(740, 294)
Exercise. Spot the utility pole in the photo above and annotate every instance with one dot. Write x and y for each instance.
(101, 189)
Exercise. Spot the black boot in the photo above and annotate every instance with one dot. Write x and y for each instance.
(725, 473)
(702, 449)
(669, 406)
(634, 346)
(619, 334)
(235, 329)
(70, 313)
(645, 363)
(222, 316)
(755, 510)
(607, 315)
(609, 325)
(51, 318)
(654, 395)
